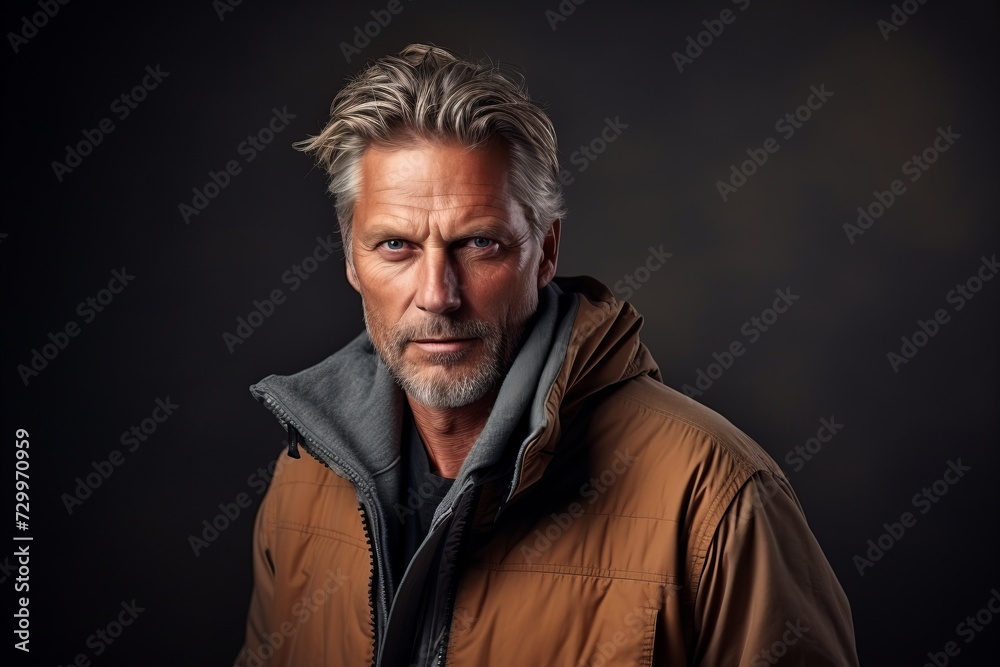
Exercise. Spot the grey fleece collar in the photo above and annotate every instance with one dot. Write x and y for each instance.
(349, 408)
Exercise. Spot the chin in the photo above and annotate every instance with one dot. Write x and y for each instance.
(445, 395)
(446, 387)
(440, 374)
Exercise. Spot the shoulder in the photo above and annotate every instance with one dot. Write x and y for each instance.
(305, 496)
(690, 462)
(679, 435)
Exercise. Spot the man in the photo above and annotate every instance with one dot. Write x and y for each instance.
(496, 473)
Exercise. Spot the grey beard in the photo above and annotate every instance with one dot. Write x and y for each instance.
(500, 348)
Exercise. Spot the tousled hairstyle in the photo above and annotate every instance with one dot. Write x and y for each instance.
(427, 93)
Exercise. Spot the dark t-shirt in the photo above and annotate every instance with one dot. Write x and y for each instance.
(421, 493)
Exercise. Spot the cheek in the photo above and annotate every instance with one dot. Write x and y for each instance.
(516, 270)
(382, 310)
(500, 291)
(494, 282)
(385, 284)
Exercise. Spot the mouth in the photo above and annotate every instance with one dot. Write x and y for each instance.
(443, 344)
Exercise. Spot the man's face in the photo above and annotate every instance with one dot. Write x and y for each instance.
(447, 266)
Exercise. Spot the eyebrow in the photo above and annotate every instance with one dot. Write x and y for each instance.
(488, 226)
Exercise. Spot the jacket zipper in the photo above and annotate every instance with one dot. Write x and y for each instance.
(372, 583)
(369, 522)
(368, 518)
(449, 611)
(449, 604)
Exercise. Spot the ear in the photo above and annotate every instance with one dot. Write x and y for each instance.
(550, 254)
(352, 276)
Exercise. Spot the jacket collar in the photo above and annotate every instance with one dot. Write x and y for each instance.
(348, 408)
(603, 350)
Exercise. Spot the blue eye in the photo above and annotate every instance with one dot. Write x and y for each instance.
(482, 242)
(394, 244)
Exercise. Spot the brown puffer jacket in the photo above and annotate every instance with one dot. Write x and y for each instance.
(633, 526)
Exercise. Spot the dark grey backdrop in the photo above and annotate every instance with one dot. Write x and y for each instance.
(655, 185)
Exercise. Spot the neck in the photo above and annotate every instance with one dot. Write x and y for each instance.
(449, 433)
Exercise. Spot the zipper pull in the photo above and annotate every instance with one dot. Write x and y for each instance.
(293, 441)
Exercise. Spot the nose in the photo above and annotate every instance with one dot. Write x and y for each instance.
(438, 291)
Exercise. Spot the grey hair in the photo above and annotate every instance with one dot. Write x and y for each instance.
(428, 93)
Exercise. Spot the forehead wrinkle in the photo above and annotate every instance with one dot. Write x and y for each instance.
(410, 196)
(397, 179)
(452, 194)
(494, 201)
(411, 192)
(410, 179)
(441, 208)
